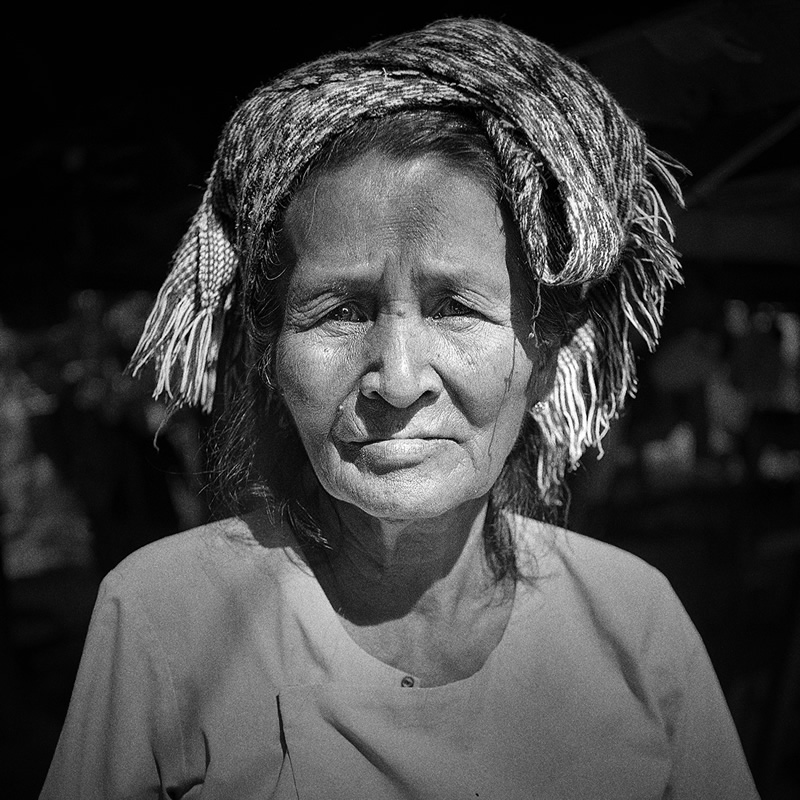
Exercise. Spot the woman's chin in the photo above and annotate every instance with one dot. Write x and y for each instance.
(402, 494)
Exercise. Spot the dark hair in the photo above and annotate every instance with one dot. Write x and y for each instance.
(257, 455)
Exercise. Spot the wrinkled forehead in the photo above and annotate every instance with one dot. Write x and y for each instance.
(412, 197)
(424, 208)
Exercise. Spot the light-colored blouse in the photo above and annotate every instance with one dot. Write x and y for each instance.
(215, 667)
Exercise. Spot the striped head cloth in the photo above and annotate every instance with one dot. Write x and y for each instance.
(552, 125)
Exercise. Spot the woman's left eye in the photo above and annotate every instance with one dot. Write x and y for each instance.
(453, 308)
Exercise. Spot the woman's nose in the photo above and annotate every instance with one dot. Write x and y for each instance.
(399, 367)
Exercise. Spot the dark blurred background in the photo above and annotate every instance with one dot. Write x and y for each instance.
(112, 122)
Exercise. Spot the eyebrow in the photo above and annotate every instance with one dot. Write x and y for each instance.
(335, 287)
(433, 275)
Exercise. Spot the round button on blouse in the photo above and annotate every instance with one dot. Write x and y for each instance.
(407, 682)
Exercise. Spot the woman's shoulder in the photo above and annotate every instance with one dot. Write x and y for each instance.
(596, 589)
(236, 549)
(604, 574)
(572, 548)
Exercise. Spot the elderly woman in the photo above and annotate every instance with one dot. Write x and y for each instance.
(408, 299)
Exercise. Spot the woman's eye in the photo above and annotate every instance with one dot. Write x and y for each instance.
(452, 308)
(347, 312)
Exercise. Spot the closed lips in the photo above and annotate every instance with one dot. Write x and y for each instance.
(405, 438)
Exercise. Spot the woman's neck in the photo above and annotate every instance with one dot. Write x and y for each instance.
(419, 596)
(387, 569)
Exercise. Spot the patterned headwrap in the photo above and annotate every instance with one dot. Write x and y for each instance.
(553, 127)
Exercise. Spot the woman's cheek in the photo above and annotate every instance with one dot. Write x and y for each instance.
(314, 379)
(302, 366)
(495, 372)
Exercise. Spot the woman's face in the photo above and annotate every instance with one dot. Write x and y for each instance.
(404, 356)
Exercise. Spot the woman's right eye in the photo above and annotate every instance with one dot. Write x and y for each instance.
(347, 312)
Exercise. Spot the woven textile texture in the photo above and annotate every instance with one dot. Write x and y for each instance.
(551, 124)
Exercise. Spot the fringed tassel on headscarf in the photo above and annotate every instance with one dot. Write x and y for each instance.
(183, 334)
(596, 371)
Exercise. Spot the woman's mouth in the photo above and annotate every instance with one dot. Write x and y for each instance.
(381, 455)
